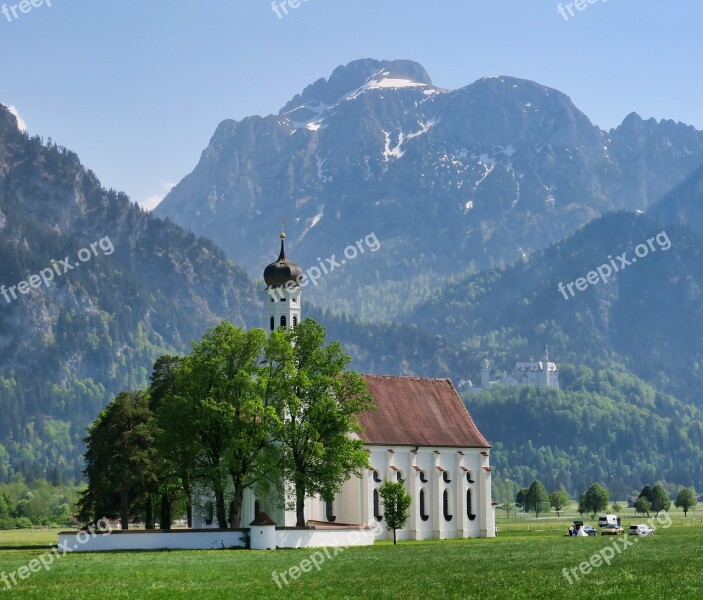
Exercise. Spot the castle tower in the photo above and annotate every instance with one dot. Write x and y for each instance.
(485, 375)
(283, 291)
(544, 374)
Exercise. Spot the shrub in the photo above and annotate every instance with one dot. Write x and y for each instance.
(24, 523)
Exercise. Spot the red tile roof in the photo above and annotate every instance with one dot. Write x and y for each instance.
(414, 411)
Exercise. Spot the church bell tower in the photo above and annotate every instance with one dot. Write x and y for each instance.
(283, 291)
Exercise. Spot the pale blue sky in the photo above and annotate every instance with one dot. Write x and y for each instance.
(137, 88)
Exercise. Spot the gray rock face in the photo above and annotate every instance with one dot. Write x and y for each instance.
(449, 181)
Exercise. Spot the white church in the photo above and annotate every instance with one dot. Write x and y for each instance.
(421, 433)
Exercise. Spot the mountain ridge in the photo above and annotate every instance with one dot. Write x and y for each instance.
(493, 170)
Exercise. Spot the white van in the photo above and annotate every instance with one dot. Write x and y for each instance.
(604, 520)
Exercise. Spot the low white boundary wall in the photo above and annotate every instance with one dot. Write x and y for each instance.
(211, 539)
(324, 538)
(154, 540)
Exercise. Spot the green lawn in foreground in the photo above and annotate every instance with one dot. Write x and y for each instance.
(28, 537)
(517, 564)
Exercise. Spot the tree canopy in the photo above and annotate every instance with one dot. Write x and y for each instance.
(559, 499)
(596, 499)
(120, 459)
(320, 400)
(240, 411)
(686, 500)
(537, 497)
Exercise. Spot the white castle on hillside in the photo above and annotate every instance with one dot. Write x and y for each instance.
(541, 374)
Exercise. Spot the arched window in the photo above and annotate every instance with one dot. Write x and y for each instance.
(423, 477)
(273, 323)
(376, 477)
(283, 299)
(469, 478)
(209, 513)
(423, 506)
(329, 511)
(447, 515)
(295, 320)
(399, 476)
(469, 507)
(446, 477)
(283, 320)
(377, 506)
(257, 508)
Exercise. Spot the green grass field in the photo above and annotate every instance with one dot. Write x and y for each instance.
(519, 563)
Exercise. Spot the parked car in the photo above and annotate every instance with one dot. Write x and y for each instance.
(590, 530)
(641, 529)
(612, 530)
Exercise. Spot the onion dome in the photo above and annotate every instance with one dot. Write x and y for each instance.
(282, 271)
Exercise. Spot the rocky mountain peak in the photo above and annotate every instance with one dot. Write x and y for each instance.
(345, 80)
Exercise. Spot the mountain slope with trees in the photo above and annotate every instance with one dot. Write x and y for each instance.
(602, 426)
(66, 349)
(647, 319)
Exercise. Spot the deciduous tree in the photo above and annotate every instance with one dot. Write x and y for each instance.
(660, 499)
(558, 500)
(222, 414)
(537, 497)
(686, 500)
(643, 506)
(596, 499)
(520, 497)
(321, 401)
(396, 502)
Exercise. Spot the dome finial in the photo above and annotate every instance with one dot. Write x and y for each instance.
(282, 271)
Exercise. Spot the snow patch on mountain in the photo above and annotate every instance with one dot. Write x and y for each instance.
(394, 152)
(321, 170)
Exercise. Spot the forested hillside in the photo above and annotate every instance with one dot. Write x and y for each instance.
(646, 319)
(67, 347)
(602, 426)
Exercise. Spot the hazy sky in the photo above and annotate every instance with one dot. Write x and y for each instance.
(137, 88)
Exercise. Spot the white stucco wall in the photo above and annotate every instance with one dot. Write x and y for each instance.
(356, 502)
(262, 538)
(156, 540)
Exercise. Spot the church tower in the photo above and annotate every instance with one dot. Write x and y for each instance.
(283, 291)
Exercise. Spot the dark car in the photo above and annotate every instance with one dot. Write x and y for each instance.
(590, 530)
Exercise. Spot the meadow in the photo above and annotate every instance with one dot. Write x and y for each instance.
(526, 560)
